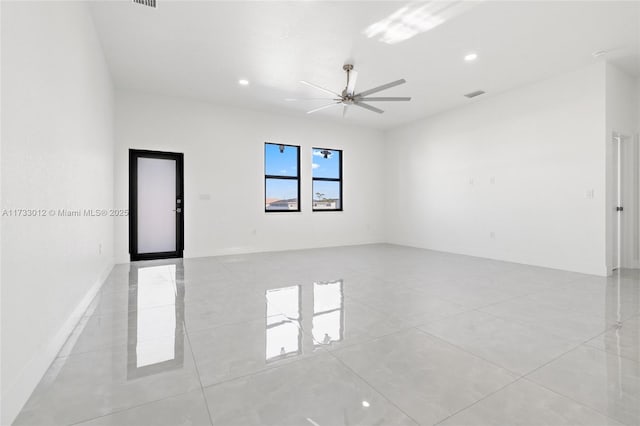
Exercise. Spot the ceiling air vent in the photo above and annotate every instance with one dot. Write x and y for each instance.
(150, 3)
(474, 94)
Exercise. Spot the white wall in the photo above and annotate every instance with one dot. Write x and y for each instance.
(224, 158)
(622, 118)
(57, 152)
(517, 165)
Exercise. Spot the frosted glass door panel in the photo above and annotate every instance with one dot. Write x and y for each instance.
(156, 205)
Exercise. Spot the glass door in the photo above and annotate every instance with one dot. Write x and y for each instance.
(156, 205)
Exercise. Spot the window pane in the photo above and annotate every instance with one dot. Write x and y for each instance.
(326, 195)
(327, 296)
(281, 194)
(283, 331)
(282, 340)
(327, 327)
(285, 300)
(327, 312)
(326, 167)
(278, 163)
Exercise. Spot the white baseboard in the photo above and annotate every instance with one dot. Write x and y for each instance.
(16, 394)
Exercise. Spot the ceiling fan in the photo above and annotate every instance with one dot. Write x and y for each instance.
(350, 97)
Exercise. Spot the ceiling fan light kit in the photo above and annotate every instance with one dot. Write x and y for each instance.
(349, 97)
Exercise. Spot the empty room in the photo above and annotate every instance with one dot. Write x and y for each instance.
(320, 213)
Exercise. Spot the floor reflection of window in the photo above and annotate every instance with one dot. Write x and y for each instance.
(283, 333)
(155, 312)
(328, 312)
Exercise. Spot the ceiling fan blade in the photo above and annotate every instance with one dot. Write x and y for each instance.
(381, 88)
(344, 110)
(369, 107)
(309, 99)
(319, 88)
(383, 99)
(351, 86)
(323, 107)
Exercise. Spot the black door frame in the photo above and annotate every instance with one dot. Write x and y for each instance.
(134, 154)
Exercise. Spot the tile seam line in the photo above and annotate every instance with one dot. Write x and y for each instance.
(479, 400)
(527, 324)
(527, 379)
(378, 310)
(264, 370)
(604, 350)
(526, 376)
(375, 389)
(572, 348)
(195, 365)
(515, 373)
(133, 407)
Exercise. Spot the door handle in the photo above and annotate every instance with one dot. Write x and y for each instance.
(178, 210)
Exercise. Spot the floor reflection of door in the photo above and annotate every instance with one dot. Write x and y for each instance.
(156, 317)
(621, 343)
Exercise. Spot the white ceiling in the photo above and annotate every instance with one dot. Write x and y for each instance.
(200, 49)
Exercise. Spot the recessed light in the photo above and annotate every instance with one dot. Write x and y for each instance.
(243, 82)
(470, 57)
(366, 404)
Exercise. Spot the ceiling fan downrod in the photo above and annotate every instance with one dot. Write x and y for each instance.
(347, 98)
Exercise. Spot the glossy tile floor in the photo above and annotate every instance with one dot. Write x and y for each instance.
(370, 335)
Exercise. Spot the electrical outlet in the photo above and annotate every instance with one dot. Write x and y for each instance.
(492, 235)
(492, 180)
(589, 194)
(99, 248)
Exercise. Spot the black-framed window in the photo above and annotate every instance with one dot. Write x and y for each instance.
(281, 178)
(327, 179)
